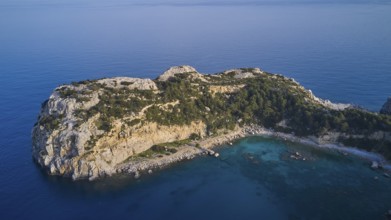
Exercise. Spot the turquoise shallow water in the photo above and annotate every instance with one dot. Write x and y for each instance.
(328, 185)
(339, 51)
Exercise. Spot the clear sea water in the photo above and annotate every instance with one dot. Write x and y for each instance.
(339, 50)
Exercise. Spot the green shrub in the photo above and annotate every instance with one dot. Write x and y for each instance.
(194, 136)
(133, 122)
(66, 92)
(104, 125)
(50, 122)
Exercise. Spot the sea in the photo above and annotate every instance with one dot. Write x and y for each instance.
(341, 50)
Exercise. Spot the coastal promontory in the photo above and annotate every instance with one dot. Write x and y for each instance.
(386, 109)
(97, 128)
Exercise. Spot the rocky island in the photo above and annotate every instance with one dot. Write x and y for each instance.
(97, 128)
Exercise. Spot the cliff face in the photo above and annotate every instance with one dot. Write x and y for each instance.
(67, 146)
(91, 129)
(386, 109)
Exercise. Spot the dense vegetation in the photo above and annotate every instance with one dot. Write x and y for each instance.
(264, 100)
(267, 100)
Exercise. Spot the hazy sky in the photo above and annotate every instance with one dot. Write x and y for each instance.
(177, 2)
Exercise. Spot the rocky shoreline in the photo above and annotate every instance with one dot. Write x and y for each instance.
(185, 152)
(189, 151)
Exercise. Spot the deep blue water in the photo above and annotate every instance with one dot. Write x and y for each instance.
(341, 52)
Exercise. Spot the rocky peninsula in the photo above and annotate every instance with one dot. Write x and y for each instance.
(97, 128)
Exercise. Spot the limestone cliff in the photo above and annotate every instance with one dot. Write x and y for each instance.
(93, 128)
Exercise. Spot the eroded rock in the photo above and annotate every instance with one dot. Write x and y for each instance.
(386, 109)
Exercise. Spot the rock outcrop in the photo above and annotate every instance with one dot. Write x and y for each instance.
(244, 72)
(386, 109)
(129, 83)
(98, 128)
(172, 71)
